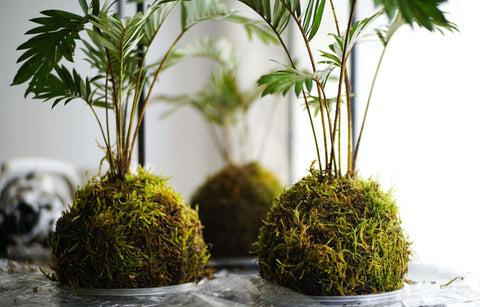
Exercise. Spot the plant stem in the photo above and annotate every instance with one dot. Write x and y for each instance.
(225, 127)
(109, 155)
(292, 62)
(319, 89)
(218, 143)
(340, 80)
(391, 31)
(335, 17)
(157, 73)
(268, 128)
(351, 168)
(108, 141)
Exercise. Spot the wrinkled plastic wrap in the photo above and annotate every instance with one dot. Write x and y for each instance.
(25, 285)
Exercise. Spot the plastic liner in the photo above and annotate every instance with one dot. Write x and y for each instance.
(25, 285)
(362, 300)
(139, 291)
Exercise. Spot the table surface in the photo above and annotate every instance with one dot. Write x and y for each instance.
(25, 285)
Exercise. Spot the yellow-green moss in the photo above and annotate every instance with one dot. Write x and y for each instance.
(232, 204)
(334, 236)
(129, 233)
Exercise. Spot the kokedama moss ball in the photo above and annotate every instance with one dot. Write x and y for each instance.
(232, 204)
(128, 233)
(332, 236)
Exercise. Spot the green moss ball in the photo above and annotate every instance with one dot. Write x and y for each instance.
(131, 233)
(232, 204)
(334, 236)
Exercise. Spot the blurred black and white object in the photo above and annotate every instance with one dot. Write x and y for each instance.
(33, 194)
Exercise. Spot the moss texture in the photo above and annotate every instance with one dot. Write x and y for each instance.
(128, 233)
(334, 236)
(232, 204)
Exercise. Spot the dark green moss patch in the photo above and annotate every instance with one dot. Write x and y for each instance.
(334, 236)
(232, 204)
(129, 233)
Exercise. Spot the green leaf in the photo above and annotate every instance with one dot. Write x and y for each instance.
(335, 55)
(282, 81)
(66, 86)
(221, 99)
(53, 40)
(154, 19)
(313, 17)
(425, 13)
(84, 6)
(253, 27)
(276, 15)
(221, 51)
(196, 11)
(95, 7)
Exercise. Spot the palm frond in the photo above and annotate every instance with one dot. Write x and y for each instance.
(425, 13)
(221, 51)
(335, 55)
(196, 11)
(155, 21)
(220, 99)
(312, 18)
(385, 33)
(273, 12)
(282, 81)
(53, 41)
(254, 28)
(67, 86)
(119, 37)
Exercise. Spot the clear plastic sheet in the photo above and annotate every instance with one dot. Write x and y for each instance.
(25, 285)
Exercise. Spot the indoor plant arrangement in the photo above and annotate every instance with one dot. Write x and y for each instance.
(334, 233)
(125, 229)
(233, 201)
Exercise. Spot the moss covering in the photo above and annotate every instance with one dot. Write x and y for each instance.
(129, 233)
(334, 236)
(232, 204)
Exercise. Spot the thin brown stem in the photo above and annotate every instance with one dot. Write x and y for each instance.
(307, 105)
(117, 109)
(109, 154)
(157, 73)
(335, 17)
(107, 139)
(118, 118)
(139, 87)
(319, 89)
(350, 168)
(342, 74)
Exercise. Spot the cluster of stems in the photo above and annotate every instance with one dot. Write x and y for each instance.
(330, 160)
(126, 127)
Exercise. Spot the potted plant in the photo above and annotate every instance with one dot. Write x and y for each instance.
(233, 201)
(125, 229)
(334, 233)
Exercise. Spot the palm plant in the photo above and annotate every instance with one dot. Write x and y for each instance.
(111, 46)
(322, 236)
(221, 102)
(311, 85)
(123, 230)
(233, 201)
